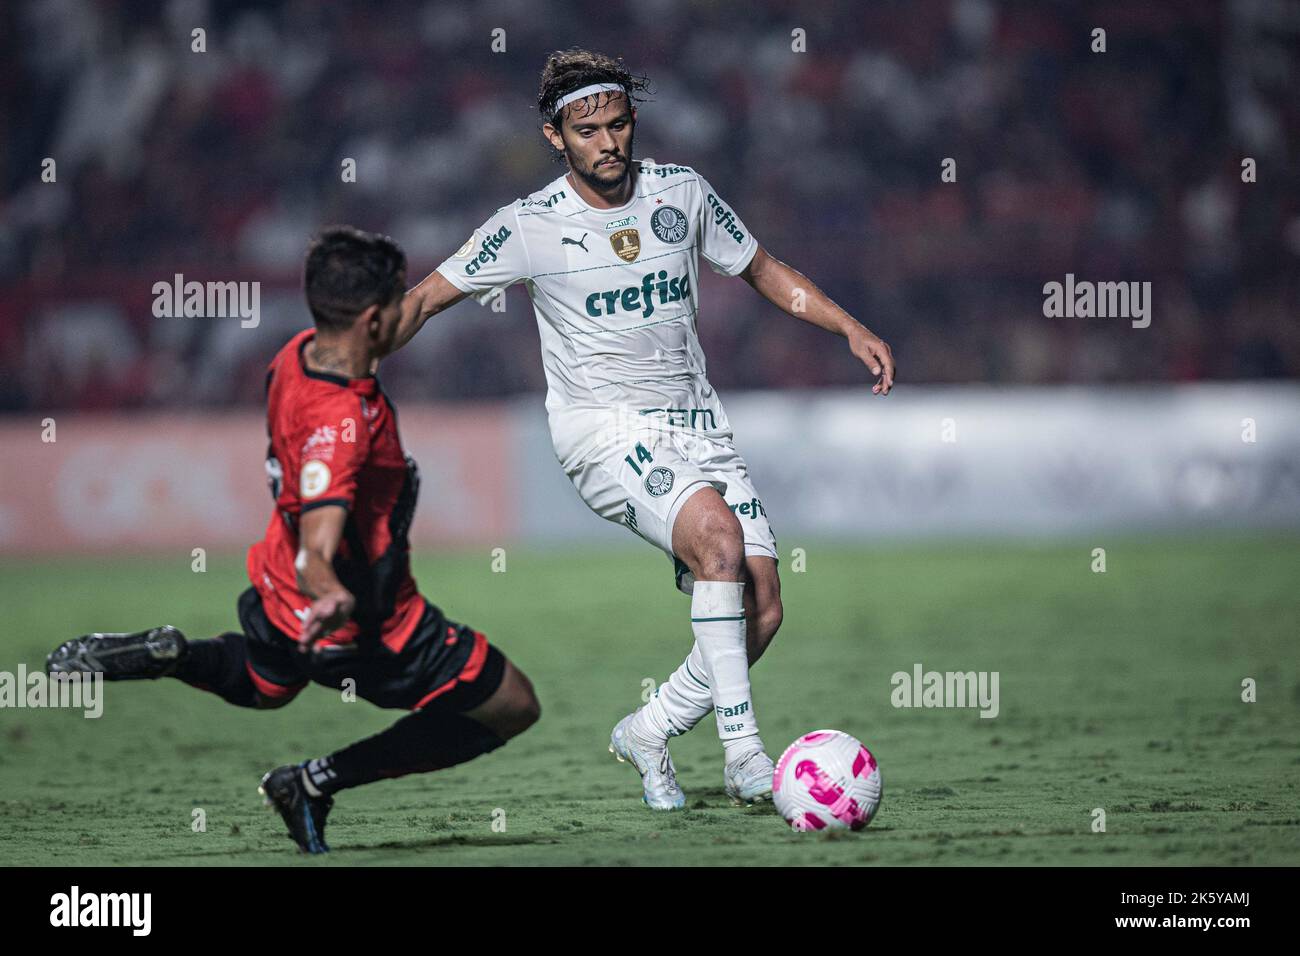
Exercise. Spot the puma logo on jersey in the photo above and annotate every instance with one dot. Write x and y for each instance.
(640, 297)
(566, 241)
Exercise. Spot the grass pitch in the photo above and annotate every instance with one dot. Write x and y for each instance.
(1120, 691)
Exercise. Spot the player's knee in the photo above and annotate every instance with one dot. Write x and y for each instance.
(529, 709)
(518, 719)
(525, 710)
(720, 552)
(263, 702)
(530, 713)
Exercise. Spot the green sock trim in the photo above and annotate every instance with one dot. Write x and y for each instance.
(696, 677)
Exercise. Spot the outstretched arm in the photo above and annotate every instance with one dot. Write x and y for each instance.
(428, 298)
(792, 292)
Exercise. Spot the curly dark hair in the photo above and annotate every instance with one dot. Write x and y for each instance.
(347, 271)
(569, 70)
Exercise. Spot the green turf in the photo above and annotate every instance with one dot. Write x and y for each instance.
(1118, 690)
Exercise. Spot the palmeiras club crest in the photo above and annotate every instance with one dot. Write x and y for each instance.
(659, 482)
(669, 224)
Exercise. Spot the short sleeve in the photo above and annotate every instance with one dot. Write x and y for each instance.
(725, 243)
(492, 258)
(335, 444)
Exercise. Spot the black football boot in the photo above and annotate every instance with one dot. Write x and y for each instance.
(303, 814)
(144, 655)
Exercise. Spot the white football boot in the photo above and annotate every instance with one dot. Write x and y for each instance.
(749, 779)
(658, 777)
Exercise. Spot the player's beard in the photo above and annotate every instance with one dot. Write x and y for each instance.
(594, 179)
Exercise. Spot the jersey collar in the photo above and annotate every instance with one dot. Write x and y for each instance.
(636, 194)
(366, 384)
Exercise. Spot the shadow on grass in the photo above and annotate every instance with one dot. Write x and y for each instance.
(450, 840)
(342, 853)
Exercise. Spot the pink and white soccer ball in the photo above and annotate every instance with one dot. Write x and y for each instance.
(826, 780)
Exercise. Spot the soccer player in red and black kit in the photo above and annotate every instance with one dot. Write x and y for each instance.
(332, 597)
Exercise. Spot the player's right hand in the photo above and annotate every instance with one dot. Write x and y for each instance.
(872, 351)
(326, 615)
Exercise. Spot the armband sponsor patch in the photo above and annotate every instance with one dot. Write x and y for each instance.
(315, 478)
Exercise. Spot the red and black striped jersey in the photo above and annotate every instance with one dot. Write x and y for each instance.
(334, 442)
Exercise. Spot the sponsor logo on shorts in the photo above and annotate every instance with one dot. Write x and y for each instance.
(753, 508)
(684, 417)
(659, 481)
(669, 224)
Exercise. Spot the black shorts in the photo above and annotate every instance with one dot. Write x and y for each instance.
(443, 664)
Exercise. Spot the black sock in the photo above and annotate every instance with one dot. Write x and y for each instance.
(219, 665)
(429, 739)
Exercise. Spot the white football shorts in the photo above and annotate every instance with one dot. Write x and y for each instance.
(641, 477)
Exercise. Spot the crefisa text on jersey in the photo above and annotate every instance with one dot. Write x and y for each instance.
(488, 250)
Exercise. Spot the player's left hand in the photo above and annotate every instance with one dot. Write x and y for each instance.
(872, 351)
(326, 615)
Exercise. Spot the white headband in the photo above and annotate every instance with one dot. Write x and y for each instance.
(585, 92)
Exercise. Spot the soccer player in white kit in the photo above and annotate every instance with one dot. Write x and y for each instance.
(608, 253)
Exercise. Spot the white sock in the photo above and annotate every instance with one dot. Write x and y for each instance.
(681, 702)
(718, 619)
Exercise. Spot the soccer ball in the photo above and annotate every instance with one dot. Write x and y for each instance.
(826, 780)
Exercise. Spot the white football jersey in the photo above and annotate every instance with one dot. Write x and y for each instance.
(616, 294)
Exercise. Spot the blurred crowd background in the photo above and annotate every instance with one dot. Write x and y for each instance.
(1122, 166)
